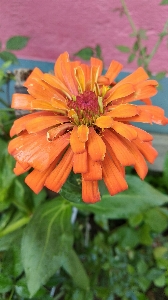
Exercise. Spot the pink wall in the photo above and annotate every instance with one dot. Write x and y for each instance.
(58, 25)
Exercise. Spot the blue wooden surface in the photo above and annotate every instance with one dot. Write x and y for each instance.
(161, 99)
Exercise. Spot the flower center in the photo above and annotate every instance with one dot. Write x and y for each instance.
(86, 107)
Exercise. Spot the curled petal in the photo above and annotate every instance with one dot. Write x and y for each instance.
(57, 131)
(90, 191)
(59, 175)
(96, 146)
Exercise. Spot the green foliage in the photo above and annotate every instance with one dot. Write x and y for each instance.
(164, 2)
(17, 42)
(88, 52)
(124, 49)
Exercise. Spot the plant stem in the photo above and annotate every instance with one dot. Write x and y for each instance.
(134, 29)
(14, 226)
(155, 48)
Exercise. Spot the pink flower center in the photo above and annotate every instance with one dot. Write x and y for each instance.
(86, 107)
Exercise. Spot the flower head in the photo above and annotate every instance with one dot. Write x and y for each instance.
(83, 123)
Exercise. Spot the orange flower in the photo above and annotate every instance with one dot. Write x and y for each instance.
(82, 123)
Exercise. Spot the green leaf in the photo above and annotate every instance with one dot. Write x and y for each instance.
(123, 48)
(135, 220)
(46, 242)
(5, 284)
(142, 34)
(131, 57)
(136, 46)
(144, 235)
(160, 75)
(165, 170)
(74, 268)
(71, 189)
(156, 220)
(17, 42)
(85, 53)
(8, 56)
(98, 52)
(160, 281)
(139, 197)
(164, 2)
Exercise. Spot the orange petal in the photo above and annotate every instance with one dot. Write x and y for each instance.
(120, 92)
(56, 83)
(35, 150)
(40, 104)
(97, 63)
(83, 132)
(35, 74)
(42, 122)
(145, 92)
(86, 69)
(112, 177)
(104, 122)
(59, 175)
(19, 124)
(80, 77)
(57, 131)
(94, 170)
(112, 72)
(125, 130)
(80, 164)
(140, 164)
(39, 89)
(64, 70)
(76, 145)
(147, 150)
(90, 191)
(142, 134)
(36, 179)
(94, 76)
(114, 159)
(59, 104)
(137, 76)
(123, 111)
(18, 169)
(21, 101)
(143, 116)
(96, 146)
(157, 113)
(124, 156)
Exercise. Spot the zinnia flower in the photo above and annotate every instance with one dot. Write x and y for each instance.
(83, 123)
